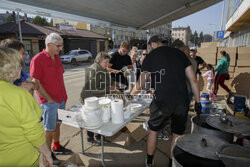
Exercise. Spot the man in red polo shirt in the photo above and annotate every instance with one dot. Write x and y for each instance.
(47, 69)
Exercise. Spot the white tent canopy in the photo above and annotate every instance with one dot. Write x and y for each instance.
(138, 14)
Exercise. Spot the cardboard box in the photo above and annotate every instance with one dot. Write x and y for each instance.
(210, 49)
(241, 84)
(136, 131)
(243, 56)
(73, 160)
(242, 50)
(242, 69)
(123, 139)
(210, 60)
(232, 51)
(112, 138)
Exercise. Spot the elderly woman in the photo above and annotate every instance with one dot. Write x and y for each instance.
(97, 82)
(21, 132)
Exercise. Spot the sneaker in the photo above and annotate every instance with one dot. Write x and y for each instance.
(213, 96)
(229, 98)
(98, 137)
(162, 136)
(55, 160)
(62, 150)
(149, 165)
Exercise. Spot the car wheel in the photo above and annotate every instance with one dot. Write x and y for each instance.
(73, 61)
(89, 59)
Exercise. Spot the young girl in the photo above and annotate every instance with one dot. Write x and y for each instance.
(210, 78)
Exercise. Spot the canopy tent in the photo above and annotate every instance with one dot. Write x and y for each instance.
(136, 14)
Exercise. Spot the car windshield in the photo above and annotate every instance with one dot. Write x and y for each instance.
(72, 52)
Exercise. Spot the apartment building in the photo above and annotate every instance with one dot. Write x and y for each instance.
(237, 26)
(181, 33)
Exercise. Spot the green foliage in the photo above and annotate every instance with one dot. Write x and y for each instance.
(41, 21)
(197, 39)
(208, 38)
(9, 18)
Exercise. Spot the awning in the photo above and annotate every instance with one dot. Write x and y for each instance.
(139, 14)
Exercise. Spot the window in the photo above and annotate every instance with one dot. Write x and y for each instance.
(83, 52)
(72, 53)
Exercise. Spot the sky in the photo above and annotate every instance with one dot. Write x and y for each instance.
(207, 20)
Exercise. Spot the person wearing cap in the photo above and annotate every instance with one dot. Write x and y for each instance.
(119, 60)
(198, 59)
(171, 95)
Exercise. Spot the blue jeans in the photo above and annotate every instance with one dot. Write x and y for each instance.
(50, 116)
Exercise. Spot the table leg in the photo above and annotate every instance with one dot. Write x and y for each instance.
(102, 154)
(82, 140)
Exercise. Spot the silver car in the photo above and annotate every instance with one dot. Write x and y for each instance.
(74, 56)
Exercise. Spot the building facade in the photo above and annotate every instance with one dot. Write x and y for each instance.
(116, 34)
(181, 33)
(237, 26)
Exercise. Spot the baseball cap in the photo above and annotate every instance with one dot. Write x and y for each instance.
(155, 38)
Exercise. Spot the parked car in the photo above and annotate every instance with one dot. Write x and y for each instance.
(112, 51)
(74, 56)
(27, 59)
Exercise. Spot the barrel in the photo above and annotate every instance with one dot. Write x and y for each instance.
(205, 103)
(185, 159)
(204, 128)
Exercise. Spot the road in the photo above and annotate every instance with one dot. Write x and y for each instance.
(74, 80)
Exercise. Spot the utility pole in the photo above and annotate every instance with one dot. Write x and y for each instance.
(19, 27)
(222, 15)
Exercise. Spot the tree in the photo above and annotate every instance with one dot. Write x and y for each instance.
(40, 21)
(9, 18)
(196, 37)
(201, 38)
(208, 38)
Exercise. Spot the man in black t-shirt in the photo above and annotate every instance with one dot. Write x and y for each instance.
(168, 68)
(119, 60)
(198, 59)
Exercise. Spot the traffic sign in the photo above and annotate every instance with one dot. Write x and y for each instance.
(220, 34)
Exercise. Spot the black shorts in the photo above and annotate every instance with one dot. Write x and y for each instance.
(159, 117)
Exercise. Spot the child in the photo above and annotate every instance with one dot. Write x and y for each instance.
(210, 79)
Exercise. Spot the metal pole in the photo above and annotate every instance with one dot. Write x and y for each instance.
(102, 154)
(19, 27)
(148, 37)
(222, 15)
(82, 140)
